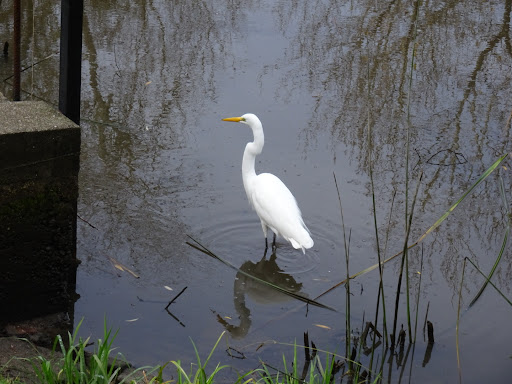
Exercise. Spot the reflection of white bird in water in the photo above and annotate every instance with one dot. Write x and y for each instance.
(267, 194)
(243, 286)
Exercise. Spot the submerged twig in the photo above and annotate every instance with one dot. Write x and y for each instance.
(425, 322)
(308, 356)
(457, 154)
(428, 354)
(86, 222)
(175, 297)
(175, 318)
(430, 332)
(240, 355)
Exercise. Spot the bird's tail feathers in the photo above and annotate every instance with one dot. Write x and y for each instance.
(305, 242)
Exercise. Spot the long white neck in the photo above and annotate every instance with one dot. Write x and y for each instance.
(252, 149)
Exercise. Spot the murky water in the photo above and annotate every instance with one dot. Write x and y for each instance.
(159, 165)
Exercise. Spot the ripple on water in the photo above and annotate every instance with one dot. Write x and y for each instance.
(320, 257)
(237, 237)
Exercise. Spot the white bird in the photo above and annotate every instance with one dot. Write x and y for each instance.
(267, 194)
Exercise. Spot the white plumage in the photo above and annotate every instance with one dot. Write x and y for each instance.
(267, 194)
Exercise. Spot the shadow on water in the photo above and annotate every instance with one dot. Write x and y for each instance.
(157, 165)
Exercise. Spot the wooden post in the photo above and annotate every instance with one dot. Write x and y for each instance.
(16, 55)
(71, 58)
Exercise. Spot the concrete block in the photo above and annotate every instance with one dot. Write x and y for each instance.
(39, 164)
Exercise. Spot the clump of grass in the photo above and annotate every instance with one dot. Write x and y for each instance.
(197, 373)
(314, 371)
(77, 366)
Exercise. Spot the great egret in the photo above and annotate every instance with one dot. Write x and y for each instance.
(267, 194)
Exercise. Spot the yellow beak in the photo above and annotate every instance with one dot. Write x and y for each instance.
(234, 119)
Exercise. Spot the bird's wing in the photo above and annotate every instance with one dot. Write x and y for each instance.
(275, 205)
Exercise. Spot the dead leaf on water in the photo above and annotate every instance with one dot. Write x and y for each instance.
(167, 287)
(131, 321)
(322, 326)
(122, 267)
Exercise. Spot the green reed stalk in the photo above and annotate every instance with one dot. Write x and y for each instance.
(458, 319)
(407, 154)
(347, 305)
(380, 293)
(347, 285)
(418, 296)
(404, 258)
(388, 230)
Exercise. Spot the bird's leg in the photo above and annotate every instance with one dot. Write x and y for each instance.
(265, 253)
(274, 243)
(265, 229)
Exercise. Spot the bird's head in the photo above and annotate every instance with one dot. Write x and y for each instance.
(249, 119)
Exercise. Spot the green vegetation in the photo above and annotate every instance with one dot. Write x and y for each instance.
(5, 380)
(78, 367)
(74, 365)
(198, 375)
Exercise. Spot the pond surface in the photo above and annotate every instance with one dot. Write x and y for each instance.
(341, 88)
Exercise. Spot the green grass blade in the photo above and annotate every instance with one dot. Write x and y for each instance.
(503, 245)
(213, 349)
(488, 278)
(490, 282)
(450, 210)
(436, 224)
(181, 372)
